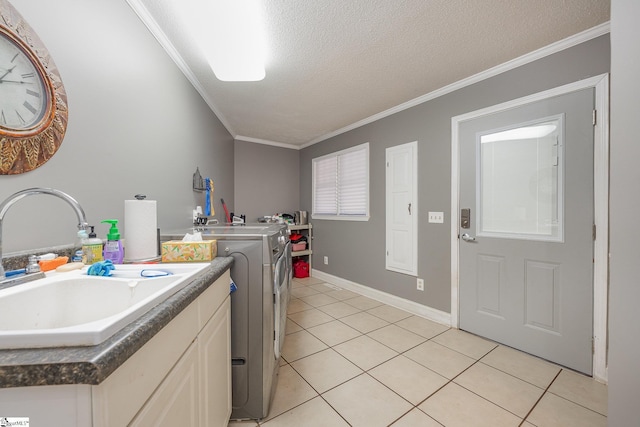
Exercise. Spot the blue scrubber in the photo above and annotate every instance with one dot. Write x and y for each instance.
(101, 268)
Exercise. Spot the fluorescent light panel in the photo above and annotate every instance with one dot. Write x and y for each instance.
(231, 36)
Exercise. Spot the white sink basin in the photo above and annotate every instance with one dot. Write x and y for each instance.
(74, 309)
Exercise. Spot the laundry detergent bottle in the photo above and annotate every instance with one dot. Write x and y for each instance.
(113, 250)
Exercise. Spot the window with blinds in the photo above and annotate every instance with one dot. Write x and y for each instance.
(341, 184)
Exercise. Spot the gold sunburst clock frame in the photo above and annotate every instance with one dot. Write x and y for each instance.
(22, 150)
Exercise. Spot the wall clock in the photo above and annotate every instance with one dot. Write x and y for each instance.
(33, 102)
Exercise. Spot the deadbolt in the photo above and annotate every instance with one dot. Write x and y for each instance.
(465, 218)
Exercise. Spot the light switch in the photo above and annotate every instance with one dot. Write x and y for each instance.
(436, 217)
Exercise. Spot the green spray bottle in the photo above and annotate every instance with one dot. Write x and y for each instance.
(113, 250)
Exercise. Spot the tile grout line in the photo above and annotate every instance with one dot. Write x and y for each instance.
(452, 380)
(381, 363)
(367, 371)
(479, 360)
(318, 394)
(569, 400)
(366, 334)
(560, 368)
(540, 398)
(361, 310)
(363, 370)
(335, 410)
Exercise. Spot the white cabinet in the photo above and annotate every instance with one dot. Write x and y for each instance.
(214, 350)
(175, 402)
(62, 405)
(182, 376)
(120, 397)
(197, 390)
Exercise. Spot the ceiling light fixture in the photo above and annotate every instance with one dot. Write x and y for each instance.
(232, 38)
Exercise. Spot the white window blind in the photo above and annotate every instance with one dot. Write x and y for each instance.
(341, 184)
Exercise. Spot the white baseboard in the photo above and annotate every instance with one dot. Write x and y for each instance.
(386, 298)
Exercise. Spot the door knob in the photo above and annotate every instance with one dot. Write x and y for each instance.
(467, 238)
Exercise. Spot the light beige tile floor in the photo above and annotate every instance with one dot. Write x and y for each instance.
(352, 361)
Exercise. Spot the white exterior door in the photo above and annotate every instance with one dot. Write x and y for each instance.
(526, 228)
(401, 209)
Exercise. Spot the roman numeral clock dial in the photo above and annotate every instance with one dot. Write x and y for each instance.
(33, 103)
(22, 103)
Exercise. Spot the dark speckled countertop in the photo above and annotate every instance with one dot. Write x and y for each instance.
(93, 364)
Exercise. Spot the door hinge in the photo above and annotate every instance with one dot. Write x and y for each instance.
(594, 232)
(595, 116)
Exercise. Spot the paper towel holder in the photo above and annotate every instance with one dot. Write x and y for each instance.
(154, 258)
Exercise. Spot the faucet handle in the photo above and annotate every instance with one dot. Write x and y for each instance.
(33, 266)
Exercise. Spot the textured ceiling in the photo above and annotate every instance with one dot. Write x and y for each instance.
(333, 63)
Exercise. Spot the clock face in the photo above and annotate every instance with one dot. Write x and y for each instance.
(23, 95)
(33, 102)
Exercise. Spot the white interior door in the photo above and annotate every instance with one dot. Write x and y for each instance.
(401, 209)
(526, 228)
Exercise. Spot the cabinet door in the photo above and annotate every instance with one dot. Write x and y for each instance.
(214, 343)
(121, 396)
(175, 402)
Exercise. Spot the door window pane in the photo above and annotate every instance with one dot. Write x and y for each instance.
(520, 181)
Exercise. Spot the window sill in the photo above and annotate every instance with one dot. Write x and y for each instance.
(341, 217)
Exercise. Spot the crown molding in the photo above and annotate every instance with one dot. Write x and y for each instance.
(148, 20)
(551, 49)
(267, 142)
(173, 53)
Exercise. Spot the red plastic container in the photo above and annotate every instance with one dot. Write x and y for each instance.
(300, 269)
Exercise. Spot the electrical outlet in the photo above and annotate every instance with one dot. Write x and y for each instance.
(326, 260)
(420, 284)
(436, 217)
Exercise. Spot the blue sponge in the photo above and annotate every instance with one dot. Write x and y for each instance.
(101, 268)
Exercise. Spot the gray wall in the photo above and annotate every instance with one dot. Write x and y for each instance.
(266, 180)
(136, 125)
(356, 249)
(624, 345)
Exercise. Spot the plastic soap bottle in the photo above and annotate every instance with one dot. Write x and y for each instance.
(113, 250)
(91, 248)
(77, 255)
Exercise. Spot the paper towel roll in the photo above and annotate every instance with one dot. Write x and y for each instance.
(141, 230)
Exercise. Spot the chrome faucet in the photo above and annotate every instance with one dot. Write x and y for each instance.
(9, 201)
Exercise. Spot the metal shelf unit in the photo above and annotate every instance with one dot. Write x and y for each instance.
(307, 230)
